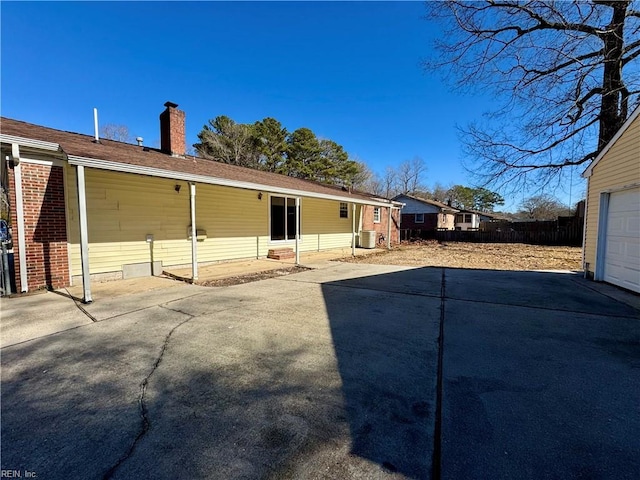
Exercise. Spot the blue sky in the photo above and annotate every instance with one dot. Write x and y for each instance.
(350, 72)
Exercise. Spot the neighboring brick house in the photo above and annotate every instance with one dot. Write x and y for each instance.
(83, 210)
(611, 248)
(424, 214)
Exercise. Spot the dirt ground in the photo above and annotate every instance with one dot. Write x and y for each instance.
(251, 277)
(489, 256)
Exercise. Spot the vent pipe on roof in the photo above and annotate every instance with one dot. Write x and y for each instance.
(95, 125)
(139, 140)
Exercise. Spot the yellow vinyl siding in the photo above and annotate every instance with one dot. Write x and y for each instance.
(123, 208)
(321, 225)
(235, 220)
(619, 167)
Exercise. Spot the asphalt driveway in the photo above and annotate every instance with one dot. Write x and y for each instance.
(350, 371)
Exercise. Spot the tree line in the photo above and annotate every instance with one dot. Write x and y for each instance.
(267, 145)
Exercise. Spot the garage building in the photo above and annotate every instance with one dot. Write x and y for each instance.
(612, 228)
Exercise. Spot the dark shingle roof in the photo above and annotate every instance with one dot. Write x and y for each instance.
(81, 145)
(435, 203)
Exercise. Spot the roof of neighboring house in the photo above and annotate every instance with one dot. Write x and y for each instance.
(81, 149)
(435, 203)
(635, 114)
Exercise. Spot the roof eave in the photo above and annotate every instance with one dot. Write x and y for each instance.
(205, 179)
(30, 142)
(589, 170)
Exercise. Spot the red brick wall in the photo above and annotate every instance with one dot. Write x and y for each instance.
(45, 226)
(368, 224)
(430, 222)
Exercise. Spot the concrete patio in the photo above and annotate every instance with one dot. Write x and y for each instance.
(346, 371)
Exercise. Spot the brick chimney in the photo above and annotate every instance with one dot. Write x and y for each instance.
(172, 130)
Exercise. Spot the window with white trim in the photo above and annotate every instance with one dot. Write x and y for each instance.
(283, 218)
(464, 218)
(419, 218)
(344, 210)
(376, 214)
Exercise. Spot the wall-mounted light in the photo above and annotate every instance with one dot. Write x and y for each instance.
(177, 187)
(259, 195)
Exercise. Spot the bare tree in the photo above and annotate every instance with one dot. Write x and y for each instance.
(542, 207)
(364, 178)
(567, 72)
(410, 175)
(111, 131)
(389, 183)
(440, 193)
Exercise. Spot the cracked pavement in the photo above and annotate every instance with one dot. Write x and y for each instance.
(329, 373)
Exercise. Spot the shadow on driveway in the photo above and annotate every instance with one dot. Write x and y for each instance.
(540, 374)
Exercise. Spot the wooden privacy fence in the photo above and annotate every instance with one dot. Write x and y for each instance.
(555, 232)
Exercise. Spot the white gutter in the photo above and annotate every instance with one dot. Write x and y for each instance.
(22, 244)
(84, 236)
(205, 179)
(297, 230)
(194, 233)
(28, 142)
(353, 229)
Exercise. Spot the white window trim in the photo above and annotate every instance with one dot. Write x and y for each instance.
(340, 210)
(288, 241)
(377, 209)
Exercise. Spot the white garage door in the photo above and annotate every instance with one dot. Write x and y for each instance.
(622, 251)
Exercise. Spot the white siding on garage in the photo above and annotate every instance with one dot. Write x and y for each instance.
(622, 241)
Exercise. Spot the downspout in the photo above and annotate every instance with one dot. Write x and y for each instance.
(297, 230)
(353, 229)
(194, 233)
(84, 236)
(22, 243)
(389, 229)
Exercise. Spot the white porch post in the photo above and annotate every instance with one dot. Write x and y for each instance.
(297, 230)
(389, 229)
(194, 232)
(84, 236)
(22, 244)
(353, 229)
